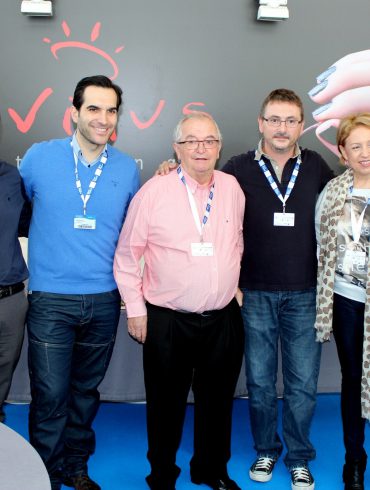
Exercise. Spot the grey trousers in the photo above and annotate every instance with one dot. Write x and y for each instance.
(13, 311)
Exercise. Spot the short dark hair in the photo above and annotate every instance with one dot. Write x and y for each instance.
(282, 95)
(96, 81)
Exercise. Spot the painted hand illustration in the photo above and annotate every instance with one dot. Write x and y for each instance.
(342, 89)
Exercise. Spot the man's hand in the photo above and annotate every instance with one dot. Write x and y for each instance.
(166, 167)
(239, 297)
(137, 328)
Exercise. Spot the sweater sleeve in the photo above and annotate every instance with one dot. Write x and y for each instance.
(26, 172)
(128, 257)
(229, 167)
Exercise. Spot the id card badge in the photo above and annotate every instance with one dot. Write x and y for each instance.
(284, 219)
(84, 222)
(354, 259)
(202, 249)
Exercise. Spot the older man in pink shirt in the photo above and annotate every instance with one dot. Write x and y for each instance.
(188, 227)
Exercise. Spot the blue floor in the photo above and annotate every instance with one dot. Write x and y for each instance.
(120, 459)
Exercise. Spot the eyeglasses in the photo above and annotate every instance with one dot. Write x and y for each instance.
(194, 144)
(276, 122)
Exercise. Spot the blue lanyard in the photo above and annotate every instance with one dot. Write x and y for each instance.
(94, 180)
(199, 224)
(274, 185)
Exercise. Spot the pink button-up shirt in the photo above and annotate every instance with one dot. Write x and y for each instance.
(160, 227)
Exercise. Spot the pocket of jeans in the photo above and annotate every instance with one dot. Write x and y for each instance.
(115, 294)
(38, 357)
(35, 296)
(109, 352)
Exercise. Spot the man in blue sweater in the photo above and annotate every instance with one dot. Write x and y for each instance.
(80, 188)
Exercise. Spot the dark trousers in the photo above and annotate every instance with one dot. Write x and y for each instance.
(184, 350)
(348, 328)
(71, 340)
(13, 311)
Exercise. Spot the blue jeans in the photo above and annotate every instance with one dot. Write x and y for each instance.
(290, 316)
(71, 339)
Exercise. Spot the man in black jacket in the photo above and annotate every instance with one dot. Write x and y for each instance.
(281, 182)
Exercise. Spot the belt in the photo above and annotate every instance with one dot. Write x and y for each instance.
(6, 291)
(207, 314)
(204, 313)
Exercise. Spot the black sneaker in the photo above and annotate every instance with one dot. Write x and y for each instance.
(302, 478)
(261, 469)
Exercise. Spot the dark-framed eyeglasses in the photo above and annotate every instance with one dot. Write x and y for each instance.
(194, 144)
(276, 122)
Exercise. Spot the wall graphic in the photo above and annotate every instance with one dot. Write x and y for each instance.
(341, 90)
(176, 57)
(25, 122)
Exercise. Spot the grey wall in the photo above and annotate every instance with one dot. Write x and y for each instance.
(208, 51)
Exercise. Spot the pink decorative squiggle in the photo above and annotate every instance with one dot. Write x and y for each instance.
(95, 33)
(24, 125)
(149, 122)
(321, 128)
(66, 29)
(77, 44)
(67, 122)
(187, 110)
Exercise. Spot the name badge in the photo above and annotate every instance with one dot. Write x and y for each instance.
(84, 223)
(355, 258)
(202, 249)
(284, 219)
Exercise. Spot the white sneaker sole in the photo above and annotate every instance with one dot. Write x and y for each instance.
(261, 477)
(303, 487)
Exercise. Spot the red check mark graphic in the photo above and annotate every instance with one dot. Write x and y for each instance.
(24, 125)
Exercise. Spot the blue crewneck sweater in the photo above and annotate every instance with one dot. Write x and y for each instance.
(63, 259)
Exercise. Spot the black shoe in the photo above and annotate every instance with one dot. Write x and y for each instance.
(81, 482)
(224, 483)
(353, 475)
(154, 484)
(56, 486)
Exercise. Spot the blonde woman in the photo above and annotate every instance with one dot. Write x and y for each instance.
(343, 293)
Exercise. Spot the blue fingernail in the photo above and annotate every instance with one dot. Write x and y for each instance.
(318, 88)
(326, 74)
(321, 109)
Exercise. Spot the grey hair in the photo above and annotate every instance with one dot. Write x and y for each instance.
(177, 133)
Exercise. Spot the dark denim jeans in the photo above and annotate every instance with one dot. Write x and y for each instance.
(290, 316)
(71, 339)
